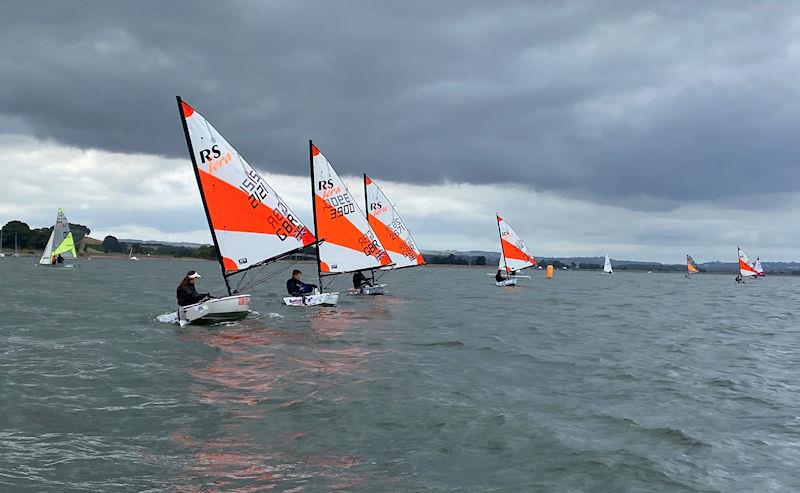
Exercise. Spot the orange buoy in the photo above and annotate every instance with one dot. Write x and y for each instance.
(550, 271)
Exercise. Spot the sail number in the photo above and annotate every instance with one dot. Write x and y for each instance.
(284, 222)
(252, 186)
(340, 205)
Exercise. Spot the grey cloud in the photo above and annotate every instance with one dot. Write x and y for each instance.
(609, 100)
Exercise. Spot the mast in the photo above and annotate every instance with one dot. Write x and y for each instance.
(500, 234)
(314, 206)
(202, 195)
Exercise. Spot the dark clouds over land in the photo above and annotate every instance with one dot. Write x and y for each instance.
(643, 104)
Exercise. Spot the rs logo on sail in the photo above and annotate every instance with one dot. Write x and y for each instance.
(214, 158)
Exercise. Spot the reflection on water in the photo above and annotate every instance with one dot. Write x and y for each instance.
(261, 375)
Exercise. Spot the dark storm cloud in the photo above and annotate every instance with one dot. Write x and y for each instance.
(614, 100)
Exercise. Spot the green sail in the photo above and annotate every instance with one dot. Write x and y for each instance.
(68, 245)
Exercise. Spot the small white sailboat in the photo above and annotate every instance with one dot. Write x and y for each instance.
(392, 233)
(131, 256)
(758, 268)
(60, 249)
(607, 266)
(514, 255)
(2, 255)
(746, 269)
(347, 243)
(251, 226)
(16, 250)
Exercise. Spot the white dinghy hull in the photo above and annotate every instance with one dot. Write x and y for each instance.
(378, 289)
(314, 299)
(215, 310)
(506, 282)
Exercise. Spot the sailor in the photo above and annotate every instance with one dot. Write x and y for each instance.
(739, 278)
(360, 280)
(187, 294)
(296, 287)
(499, 277)
(60, 259)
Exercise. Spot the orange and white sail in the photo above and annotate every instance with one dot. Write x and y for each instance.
(348, 243)
(390, 228)
(745, 267)
(249, 222)
(514, 255)
(691, 266)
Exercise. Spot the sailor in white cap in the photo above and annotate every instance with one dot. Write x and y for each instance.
(187, 294)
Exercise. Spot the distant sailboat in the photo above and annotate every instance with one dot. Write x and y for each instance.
(607, 266)
(746, 268)
(514, 255)
(347, 243)
(131, 256)
(251, 226)
(60, 245)
(2, 255)
(758, 268)
(390, 230)
(691, 266)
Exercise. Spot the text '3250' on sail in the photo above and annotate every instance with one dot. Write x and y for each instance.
(349, 243)
(251, 223)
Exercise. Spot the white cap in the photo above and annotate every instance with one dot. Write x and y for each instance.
(194, 276)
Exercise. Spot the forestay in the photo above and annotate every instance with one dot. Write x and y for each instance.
(60, 242)
(514, 255)
(390, 228)
(348, 242)
(250, 222)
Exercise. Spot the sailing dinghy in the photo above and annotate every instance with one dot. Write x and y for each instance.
(391, 232)
(60, 243)
(746, 268)
(607, 266)
(347, 243)
(251, 226)
(131, 256)
(758, 268)
(691, 266)
(2, 255)
(16, 250)
(514, 255)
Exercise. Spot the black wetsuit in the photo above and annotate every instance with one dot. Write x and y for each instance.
(360, 280)
(298, 288)
(499, 277)
(60, 259)
(188, 295)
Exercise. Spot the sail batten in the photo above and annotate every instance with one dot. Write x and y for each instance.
(350, 244)
(390, 228)
(249, 221)
(514, 255)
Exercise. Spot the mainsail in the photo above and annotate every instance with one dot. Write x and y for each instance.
(607, 266)
(348, 243)
(60, 242)
(745, 267)
(514, 255)
(691, 266)
(250, 224)
(390, 229)
(758, 268)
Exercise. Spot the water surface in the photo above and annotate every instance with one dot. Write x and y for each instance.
(589, 382)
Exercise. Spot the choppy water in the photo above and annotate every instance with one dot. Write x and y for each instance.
(630, 382)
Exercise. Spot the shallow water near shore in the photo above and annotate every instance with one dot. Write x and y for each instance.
(589, 382)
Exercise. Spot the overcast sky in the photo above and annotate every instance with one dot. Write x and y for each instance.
(646, 130)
